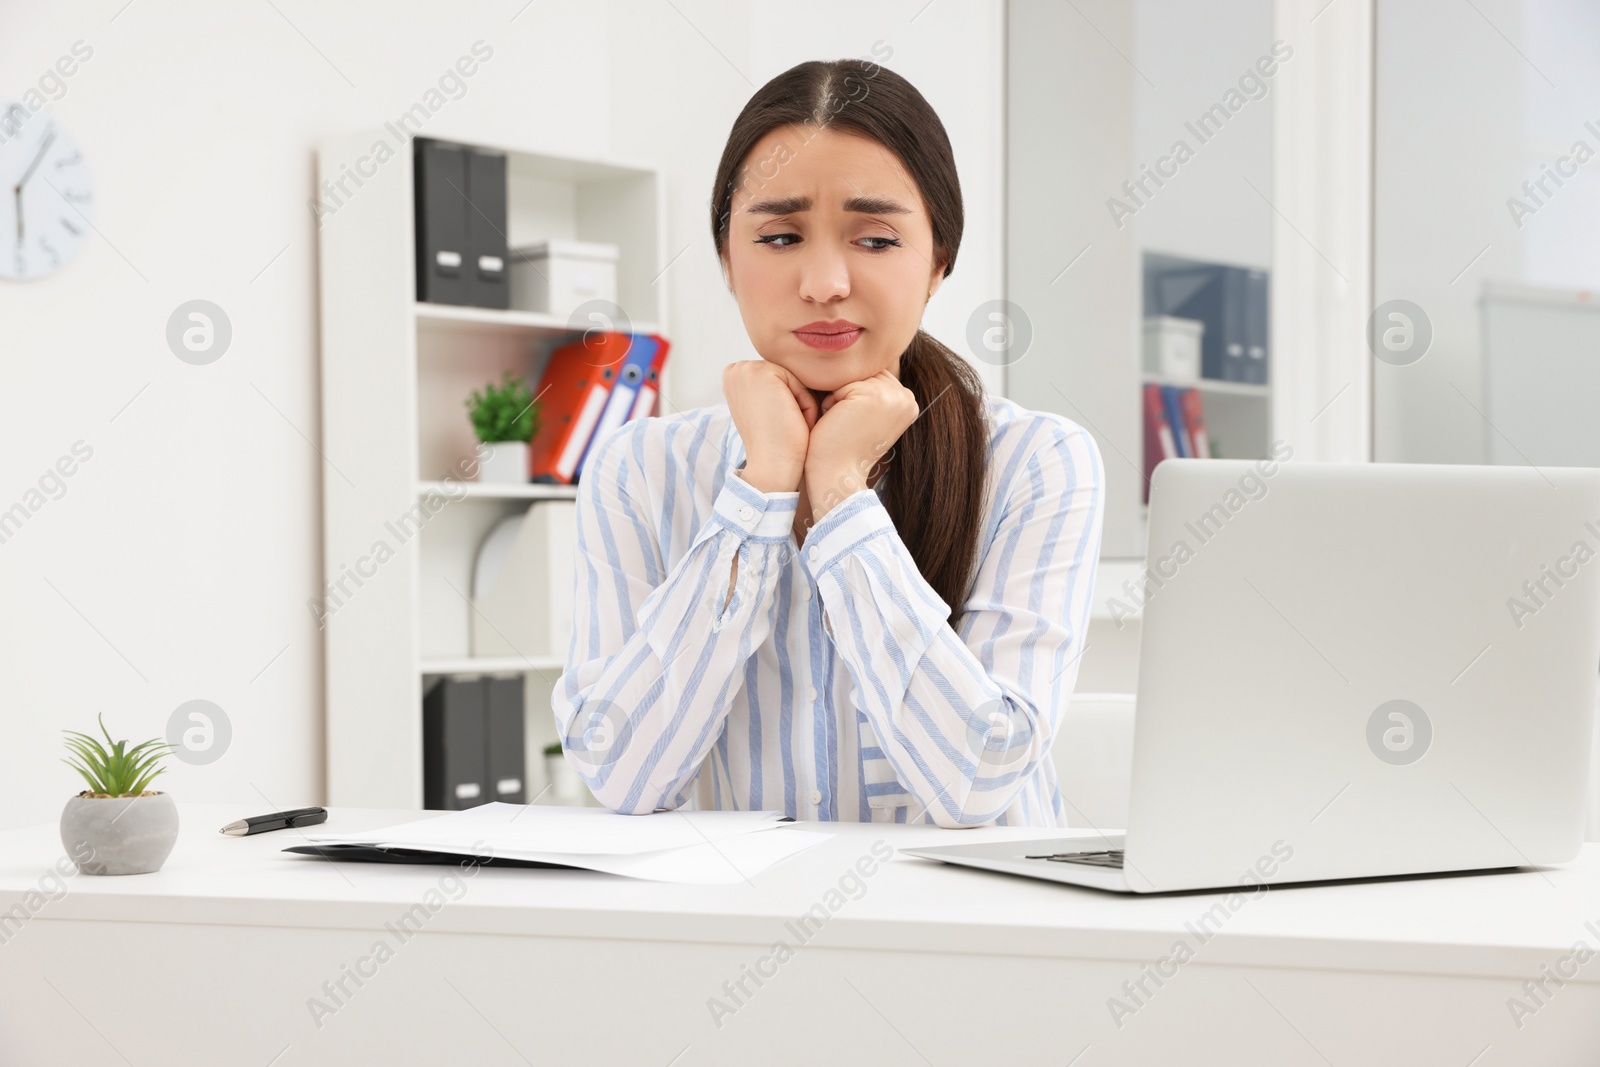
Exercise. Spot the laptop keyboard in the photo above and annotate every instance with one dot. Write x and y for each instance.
(1108, 858)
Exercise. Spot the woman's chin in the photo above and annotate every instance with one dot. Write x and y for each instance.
(826, 379)
(823, 372)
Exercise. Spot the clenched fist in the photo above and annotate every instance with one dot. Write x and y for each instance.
(860, 421)
(774, 413)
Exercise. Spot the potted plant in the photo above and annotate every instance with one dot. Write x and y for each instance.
(117, 826)
(505, 417)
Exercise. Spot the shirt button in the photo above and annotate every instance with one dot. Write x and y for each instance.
(746, 512)
(808, 592)
(811, 693)
(812, 553)
(816, 796)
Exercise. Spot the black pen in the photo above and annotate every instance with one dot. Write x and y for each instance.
(278, 820)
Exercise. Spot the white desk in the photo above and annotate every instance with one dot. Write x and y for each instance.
(213, 960)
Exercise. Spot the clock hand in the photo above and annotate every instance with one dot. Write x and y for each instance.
(37, 159)
(43, 148)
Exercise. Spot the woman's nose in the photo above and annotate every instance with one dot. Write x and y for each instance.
(824, 275)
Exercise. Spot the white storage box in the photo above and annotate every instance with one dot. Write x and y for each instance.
(1172, 347)
(558, 276)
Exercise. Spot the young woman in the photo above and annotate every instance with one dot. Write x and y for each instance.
(858, 589)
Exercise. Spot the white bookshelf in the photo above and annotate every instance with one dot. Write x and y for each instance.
(499, 492)
(451, 319)
(469, 666)
(396, 374)
(1238, 414)
(1213, 386)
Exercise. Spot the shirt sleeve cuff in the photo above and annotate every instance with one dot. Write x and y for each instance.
(857, 518)
(749, 512)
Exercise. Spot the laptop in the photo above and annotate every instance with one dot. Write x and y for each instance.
(1349, 671)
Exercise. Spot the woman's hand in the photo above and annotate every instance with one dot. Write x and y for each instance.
(860, 422)
(774, 413)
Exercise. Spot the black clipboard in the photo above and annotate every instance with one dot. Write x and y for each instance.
(372, 854)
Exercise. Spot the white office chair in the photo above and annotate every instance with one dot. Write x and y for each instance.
(1093, 754)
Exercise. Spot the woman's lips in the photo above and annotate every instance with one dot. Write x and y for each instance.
(829, 337)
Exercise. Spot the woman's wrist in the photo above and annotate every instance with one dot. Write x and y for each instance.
(769, 482)
(827, 487)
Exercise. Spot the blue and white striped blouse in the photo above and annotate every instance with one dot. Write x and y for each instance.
(831, 686)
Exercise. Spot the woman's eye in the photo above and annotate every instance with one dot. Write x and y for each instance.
(785, 240)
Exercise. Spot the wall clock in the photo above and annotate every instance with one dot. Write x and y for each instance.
(45, 194)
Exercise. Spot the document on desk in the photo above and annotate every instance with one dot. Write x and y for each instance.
(696, 847)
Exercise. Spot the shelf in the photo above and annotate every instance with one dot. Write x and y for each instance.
(1211, 385)
(491, 491)
(461, 318)
(491, 665)
(396, 375)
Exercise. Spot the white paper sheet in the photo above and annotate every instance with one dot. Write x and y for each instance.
(724, 863)
(697, 847)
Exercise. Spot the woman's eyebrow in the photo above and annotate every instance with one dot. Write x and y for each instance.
(866, 205)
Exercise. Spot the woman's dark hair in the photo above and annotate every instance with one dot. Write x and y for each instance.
(934, 483)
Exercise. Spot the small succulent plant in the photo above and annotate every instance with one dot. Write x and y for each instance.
(118, 771)
(504, 412)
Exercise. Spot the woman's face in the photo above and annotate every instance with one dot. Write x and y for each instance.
(828, 227)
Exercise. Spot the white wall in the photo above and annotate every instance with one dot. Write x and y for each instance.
(177, 563)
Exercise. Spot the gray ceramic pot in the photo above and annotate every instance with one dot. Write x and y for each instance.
(119, 835)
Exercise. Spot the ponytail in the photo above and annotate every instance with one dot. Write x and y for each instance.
(934, 477)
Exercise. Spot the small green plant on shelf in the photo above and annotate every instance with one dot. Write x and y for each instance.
(117, 771)
(504, 412)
